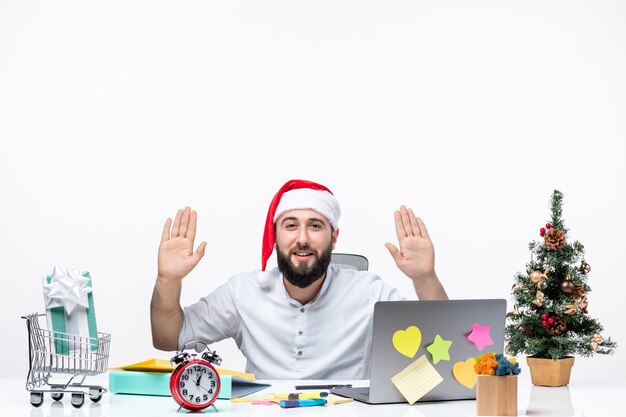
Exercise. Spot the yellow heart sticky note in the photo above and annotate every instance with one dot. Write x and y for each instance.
(464, 373)
(407, 341)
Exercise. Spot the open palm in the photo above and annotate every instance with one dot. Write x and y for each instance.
(176, 255)
(416, 256)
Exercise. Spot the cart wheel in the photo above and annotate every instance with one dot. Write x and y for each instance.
(36, 398)
(95, 393)
(57, 396)
(78, 399)
(95, 398)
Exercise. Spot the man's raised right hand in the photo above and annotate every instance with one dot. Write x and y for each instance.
(176, 255)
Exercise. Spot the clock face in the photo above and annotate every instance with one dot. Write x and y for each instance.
(195, 385)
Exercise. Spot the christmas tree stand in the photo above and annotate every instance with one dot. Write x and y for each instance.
(496, 395)
(550, 372)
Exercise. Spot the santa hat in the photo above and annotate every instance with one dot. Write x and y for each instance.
(298, 194)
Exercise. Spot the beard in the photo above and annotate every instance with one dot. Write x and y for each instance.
(302, 275)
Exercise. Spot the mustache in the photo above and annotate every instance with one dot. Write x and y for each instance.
(300, 247)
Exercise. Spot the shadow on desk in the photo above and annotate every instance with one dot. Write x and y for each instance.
(435, 409)
(61, 409)
(550, 401)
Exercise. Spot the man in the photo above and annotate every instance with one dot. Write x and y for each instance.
(304, 319)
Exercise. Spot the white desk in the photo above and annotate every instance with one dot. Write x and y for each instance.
(536, 401)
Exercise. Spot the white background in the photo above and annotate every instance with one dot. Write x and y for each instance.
(115, 114)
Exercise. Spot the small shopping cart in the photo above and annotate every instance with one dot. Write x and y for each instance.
(52, 352)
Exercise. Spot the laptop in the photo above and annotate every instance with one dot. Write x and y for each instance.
(452, 320)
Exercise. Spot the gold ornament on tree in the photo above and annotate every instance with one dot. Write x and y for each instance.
(595, 341)
(554, 239)
(578, 306)
(538, 301)
(585, 268)
(539, 278)
(579, 292)
(513, 313)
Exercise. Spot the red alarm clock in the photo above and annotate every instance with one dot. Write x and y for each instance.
(195, 384)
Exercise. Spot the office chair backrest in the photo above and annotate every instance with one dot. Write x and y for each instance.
(349, 261)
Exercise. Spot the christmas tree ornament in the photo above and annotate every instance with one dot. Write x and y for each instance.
(548, 226)
(544, 316)
(554, 239)
(556, 326)
(538, 301)
(579, 292)
(515, 312)
(583, 304)
(542, 232)
(595, 341)
(567, 287)
(578, 306)
(539, 278)
(585, 268)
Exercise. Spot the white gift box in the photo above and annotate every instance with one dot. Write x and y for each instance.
(68, 295)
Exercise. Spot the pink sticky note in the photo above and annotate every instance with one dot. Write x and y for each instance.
(480, 336)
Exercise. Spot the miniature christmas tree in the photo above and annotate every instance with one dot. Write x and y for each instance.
(550, 318)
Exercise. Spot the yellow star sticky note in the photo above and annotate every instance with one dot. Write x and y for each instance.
(439, 349)
(416, 380)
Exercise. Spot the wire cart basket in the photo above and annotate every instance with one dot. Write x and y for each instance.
(52, 352)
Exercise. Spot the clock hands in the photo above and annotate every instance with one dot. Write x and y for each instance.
(198, 383)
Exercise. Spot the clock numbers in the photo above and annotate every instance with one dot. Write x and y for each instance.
(197, 384)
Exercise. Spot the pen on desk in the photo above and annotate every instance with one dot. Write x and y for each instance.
(301, 395)
(302, 403)
(330, 386)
